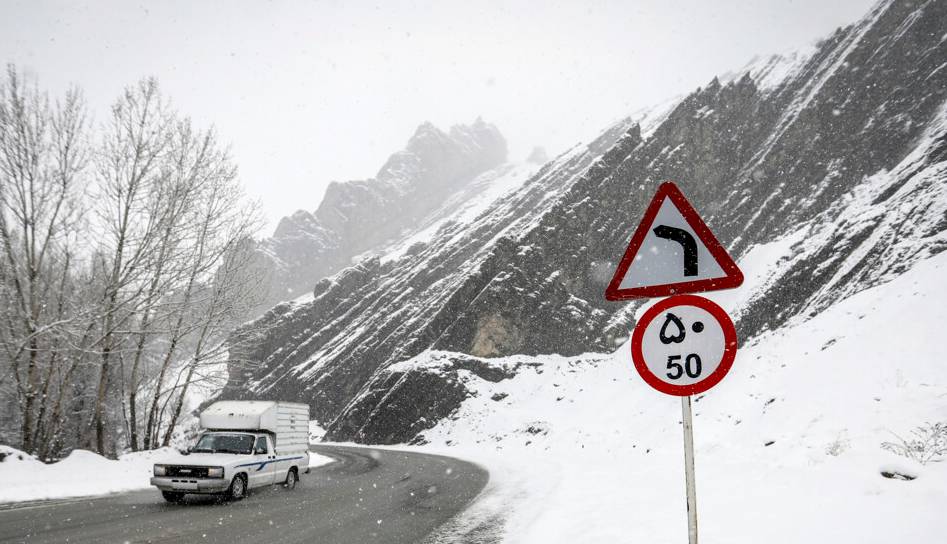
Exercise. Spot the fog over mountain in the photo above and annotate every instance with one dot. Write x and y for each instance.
(357, 216)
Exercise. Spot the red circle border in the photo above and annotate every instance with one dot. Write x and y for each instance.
(729, 349)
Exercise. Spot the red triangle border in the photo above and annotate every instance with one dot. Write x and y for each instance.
(668, 189)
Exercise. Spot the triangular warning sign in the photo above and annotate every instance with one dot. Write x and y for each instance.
(672, 252)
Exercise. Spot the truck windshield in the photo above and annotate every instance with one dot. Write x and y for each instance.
(225, 443)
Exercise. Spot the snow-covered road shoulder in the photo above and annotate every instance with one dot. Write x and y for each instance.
(82, 473)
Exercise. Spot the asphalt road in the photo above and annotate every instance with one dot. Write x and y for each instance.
(365, 496)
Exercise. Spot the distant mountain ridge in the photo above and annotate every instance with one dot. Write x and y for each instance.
(843, 152)
(358, 216)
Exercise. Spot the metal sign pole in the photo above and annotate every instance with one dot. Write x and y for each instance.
(689, 470)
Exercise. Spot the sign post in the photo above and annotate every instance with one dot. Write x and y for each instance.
(685, 344)
(689, 470)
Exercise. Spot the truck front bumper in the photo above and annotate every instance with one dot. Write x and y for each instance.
(190, 485)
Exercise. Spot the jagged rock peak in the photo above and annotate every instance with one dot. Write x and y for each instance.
(360, 216)
(460, 151)
(426, 134)
(300, 220)
(480, 133)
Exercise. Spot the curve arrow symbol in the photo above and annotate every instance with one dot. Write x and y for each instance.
(687, 242)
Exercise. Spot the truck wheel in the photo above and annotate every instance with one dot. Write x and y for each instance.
(238, 488)
(172, 496)
(291, 478)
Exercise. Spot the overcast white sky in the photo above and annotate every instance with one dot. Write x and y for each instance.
(310, 92)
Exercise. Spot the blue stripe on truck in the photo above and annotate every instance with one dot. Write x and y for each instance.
(264, 463)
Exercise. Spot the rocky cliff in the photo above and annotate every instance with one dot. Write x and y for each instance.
(842, 151)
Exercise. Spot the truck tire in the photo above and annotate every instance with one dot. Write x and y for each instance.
(172, 496)
(238, 488)
(292, 477)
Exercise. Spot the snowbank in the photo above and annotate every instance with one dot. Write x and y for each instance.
(24, 478)
(788, 446)
(82, 473)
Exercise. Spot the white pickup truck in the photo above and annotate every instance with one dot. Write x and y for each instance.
(245, 444)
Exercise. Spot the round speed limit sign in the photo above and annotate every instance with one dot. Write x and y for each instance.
(684, 345)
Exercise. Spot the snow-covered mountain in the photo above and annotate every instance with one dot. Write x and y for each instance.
(837, 156)
(383, 309)
(363, 215)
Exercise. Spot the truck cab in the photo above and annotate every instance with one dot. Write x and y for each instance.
(234, 460)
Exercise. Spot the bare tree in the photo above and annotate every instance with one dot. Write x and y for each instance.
(42, 157)
(128, 196)
(114, 314)
(181, 184)
(232, 292)
(218, 223)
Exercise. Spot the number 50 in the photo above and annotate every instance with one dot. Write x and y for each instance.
(691, 366)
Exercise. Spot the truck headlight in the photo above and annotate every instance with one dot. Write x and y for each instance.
(160, 470)
(215, 472)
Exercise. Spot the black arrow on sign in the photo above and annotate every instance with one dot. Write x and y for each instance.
(687, 242)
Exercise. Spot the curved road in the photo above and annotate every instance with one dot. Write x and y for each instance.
(364, 496)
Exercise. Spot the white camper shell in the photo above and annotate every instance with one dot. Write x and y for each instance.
(245, 444)
(287, 421)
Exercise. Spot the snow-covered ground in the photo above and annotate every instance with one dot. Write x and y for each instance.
(82, 473)
(788, 446)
